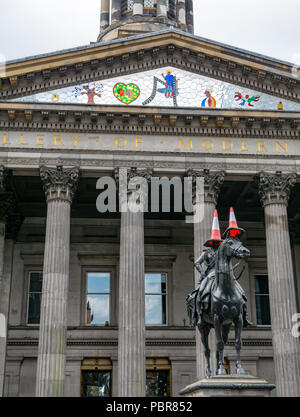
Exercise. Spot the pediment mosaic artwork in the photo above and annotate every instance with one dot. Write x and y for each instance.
(164, 87)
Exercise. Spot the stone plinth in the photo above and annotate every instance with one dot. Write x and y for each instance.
(229, 386)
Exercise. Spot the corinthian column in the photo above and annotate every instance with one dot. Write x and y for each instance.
(131, 346)
(59, 186)
(274, 192)
(202, 229)
(6, 204)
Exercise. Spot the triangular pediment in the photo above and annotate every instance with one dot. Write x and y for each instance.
(164, 87)
(203, 69)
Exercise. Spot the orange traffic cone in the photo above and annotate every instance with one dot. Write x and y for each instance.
(215, 237)
(233, 230)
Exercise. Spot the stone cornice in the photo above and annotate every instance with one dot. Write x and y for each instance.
(134, 120)
(112, 59)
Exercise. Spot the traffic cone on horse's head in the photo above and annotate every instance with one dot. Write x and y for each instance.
(215, 237)
(233, 230)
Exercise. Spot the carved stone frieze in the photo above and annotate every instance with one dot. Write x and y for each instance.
(213, 182)
(59, 183)
(275, 188)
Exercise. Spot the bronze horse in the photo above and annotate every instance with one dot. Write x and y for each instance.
(226, 305)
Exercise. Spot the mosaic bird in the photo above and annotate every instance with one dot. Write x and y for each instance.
(238, 96)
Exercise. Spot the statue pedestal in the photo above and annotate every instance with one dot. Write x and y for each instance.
(229, 386)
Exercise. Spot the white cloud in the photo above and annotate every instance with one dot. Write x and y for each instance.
(33, 27)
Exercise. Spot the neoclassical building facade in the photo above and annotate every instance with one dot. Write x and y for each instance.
(92, 303)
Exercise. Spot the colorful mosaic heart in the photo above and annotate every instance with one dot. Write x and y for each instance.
(126, 93)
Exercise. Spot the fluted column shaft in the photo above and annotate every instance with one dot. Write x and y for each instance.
(162, 10)
(202, 229)
(59, 187)
(131, 345)
(181, 12)
(274, 191)
(104, 15)
(115, 11)
(7, 202)
(131, 357)
(138, 7)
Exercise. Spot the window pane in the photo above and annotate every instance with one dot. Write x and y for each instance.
(99, 308)
(36, 280)
(157, 384)
(155, 309)
(155, 283)
(34, 307)
(98, 282)
(96, 383)
(261, 284)
(263, 309)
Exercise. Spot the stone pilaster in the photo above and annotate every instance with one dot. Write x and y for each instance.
(162, 10)
(104, 15)
(274, 192)
(7, 202)
(181, 12)
(138, 7)
(189, 15)
(131, 346)
(212, 184)
(59, 186)
(115, 11)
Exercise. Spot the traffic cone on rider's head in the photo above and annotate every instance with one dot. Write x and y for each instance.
(215, 237)
(233, 230)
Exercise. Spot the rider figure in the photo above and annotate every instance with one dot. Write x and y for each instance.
(207, 275)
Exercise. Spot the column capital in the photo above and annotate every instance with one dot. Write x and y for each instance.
(59, 183)
(213, 182)
(275, 187)
(124, 175)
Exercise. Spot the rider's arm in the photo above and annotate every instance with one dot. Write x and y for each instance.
(198, 266)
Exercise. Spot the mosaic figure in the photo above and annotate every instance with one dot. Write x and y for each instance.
(280, 106)
(170, 89)
(91, 94)
(126, 93)
(247, 99)
(209, 101)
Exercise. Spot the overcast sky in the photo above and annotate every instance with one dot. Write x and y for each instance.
(269, 27)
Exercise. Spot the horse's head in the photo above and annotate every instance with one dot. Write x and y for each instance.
(234, 248)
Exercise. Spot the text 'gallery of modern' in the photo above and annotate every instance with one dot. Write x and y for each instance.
(93, 302)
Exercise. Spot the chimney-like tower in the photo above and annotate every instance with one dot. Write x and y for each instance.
(123, 18)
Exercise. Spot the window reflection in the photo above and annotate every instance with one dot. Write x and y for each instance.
(157, 383)
(262, 299)
(34, 297)
(155, 298)
(96, 383)
(98, 298)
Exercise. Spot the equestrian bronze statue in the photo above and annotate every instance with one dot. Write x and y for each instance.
(219, 301)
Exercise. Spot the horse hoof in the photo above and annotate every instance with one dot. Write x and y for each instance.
(240, 371)
(221, 371)
(208, 374)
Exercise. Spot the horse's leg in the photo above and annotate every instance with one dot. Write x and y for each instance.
(204, 332)
(220, 345)
(238, 343)
(225, 332)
